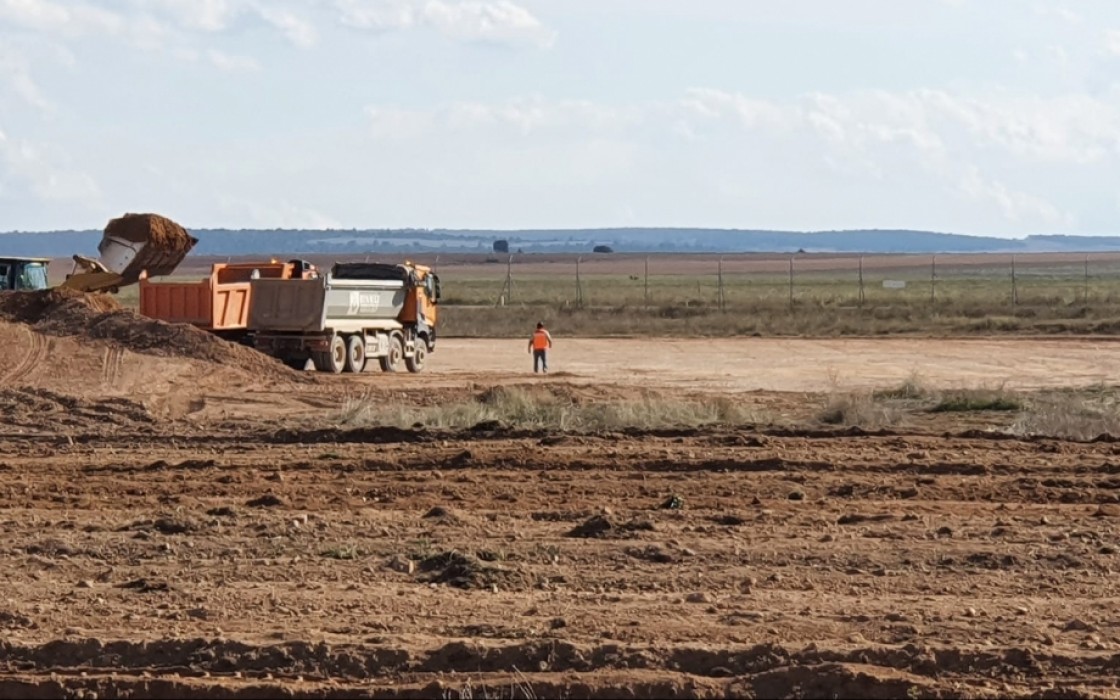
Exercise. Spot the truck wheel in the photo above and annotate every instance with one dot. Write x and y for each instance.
(333, 360)
(355, 353)
(396, 352)
(416, 362)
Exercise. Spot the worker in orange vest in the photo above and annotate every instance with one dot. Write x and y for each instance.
(539, 345)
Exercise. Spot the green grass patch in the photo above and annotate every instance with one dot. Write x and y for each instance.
(977, 400)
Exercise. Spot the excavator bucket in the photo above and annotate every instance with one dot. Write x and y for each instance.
(131, 245)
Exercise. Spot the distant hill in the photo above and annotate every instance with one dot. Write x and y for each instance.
(227, 242)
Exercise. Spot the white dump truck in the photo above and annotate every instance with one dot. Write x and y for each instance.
(356, 313)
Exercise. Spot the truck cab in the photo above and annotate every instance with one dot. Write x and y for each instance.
(23, 274)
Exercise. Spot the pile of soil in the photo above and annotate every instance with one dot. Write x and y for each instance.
(40, 409)
(70, 313)
(159, 230)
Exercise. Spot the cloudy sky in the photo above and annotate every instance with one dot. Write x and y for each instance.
(977, 116)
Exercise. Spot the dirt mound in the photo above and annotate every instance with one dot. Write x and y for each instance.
(40, 409)
(69, 313)
(599, 526)
(468, 572)
(159, 230)
(30, 307)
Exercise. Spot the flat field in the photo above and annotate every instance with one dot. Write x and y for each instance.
(816, 294)
(655, 518)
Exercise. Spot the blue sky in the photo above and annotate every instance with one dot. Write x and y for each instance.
(998, 117)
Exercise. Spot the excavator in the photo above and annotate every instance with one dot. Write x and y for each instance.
(132, 246)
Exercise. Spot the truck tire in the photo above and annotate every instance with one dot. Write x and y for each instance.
(333, 360)
(420, 355)
(396, 352)
(355, 353)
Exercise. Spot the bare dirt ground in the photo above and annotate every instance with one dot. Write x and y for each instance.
(174, 528)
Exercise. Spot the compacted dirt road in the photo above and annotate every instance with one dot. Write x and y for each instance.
(183, 521)
(774, 364)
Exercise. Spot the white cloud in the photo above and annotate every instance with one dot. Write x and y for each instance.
(16, 73)
(524, 115)
(1112, 41)
(67, 19)
(44, 171)
(148, 23)
(295, 29)
(1016, 206)
(204, 15)
(492, 21)
(276, 213)
(1061, 12)
(984, 148)
(232, 63)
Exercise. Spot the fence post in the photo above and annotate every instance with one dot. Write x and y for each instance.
(647, 282)
(1085, 293)
(861, 296)
(933, 280)
(791, 283)
(579, 285)
(1014, 286)
(506, 295)
(720, 298)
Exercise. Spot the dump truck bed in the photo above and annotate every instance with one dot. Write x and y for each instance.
(220, 302)
(341, 305)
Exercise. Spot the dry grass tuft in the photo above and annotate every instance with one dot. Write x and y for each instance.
(982, 399)
(1070, 416)
(859, 409)
(519, 407)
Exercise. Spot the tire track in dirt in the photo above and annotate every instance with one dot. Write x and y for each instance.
(37, 351)
(111, 365)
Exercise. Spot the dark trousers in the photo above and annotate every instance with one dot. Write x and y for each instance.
(540, 360)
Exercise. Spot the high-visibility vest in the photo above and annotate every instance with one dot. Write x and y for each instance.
(540, 340)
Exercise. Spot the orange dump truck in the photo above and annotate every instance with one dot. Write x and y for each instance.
(218, 303)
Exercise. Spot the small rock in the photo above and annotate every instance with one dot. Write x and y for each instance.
(1077, 625)
(796, 496)
(945, 531)
(85, 584)
(698, 598)
(970, 612)
(266, 501)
